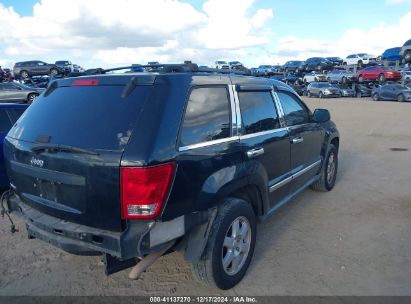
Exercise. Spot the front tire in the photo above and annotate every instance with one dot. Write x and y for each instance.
(375, 97)
(230, 245)
(381, 78)
(328, 171)
(401, 98)
(320, 95)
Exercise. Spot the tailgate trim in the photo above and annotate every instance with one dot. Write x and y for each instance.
(46, 174)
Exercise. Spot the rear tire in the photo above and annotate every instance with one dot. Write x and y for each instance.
(320, 95)
(381, 78)
(360, 79)
(54, 72)
(401, 98)
(31, 97)
(328, 171)
(230, 246)
(375, 97)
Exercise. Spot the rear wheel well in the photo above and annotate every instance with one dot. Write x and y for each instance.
(336, 142)
(252, 195)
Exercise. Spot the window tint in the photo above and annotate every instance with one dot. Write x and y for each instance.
(258, 112)
(207, 116)
(5, 123)
(15, 114)
(295, 113)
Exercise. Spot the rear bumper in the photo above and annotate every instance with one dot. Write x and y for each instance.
(138, 239)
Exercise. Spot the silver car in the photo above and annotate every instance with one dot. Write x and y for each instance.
(15, 92)
(340, 76)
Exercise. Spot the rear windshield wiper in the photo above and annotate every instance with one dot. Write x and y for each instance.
(62, 148)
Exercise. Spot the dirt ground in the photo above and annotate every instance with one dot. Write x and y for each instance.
(355, 240)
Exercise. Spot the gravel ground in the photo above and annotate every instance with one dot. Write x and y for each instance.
(355, 240)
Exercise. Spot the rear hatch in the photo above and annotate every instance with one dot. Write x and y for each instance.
(63, 155)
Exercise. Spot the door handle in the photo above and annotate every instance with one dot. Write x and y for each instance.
(255, 152)
(297, 140)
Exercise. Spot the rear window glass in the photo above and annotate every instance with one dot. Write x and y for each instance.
(15, 113)
(5, 123)
(93, 117)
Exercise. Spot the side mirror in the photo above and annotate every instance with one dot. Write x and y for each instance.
(321, 115)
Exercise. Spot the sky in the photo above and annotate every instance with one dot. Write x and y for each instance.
(109, 33)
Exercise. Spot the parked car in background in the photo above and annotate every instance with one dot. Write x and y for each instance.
(265, 70)
(346, 91)
(65, 66)
(362, 90)
(394, 91)
(335, 60)
(392, 54)
(236, 65)
(77, 68)
(135, 68)
(9, 113)
(314, 77)
(406, 75)
(405, 52)
(27, 69)
(294, 66)
(37, 82)
(221, 64)
(340, 76)
(11, 92)
(323, 89)
(318, 64)
(289, 79)
(360, 59)
(377, 73)
(2, 75)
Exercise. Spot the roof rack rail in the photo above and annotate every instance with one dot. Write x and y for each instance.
(187, 66)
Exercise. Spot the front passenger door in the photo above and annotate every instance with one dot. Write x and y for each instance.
(306, 138)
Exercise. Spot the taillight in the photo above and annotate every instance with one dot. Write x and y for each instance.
(145, 190)
(84, 82)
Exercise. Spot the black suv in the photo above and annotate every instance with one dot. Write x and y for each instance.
(132, 166)
(294, 66)
(318, 64)
(27, 69)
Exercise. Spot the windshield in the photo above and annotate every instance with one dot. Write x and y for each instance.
(326, 85)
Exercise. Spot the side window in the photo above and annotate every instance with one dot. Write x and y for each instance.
(258, 112)
(295, 113)
(5, 123)
(207, 116)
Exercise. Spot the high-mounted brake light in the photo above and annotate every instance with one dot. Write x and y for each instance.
(145, 190)
(84, 82)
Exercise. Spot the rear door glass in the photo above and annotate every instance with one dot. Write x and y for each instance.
(207, 116)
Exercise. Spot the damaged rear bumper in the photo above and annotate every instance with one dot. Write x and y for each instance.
(138, 239)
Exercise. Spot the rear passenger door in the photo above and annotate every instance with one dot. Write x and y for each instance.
(306, 139)
(264, 140)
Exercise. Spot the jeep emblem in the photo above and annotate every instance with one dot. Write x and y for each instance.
(37, 162)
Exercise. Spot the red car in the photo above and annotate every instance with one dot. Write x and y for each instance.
(377, 73)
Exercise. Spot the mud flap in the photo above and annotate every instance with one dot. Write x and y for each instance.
(197, 240)
(113, 264)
